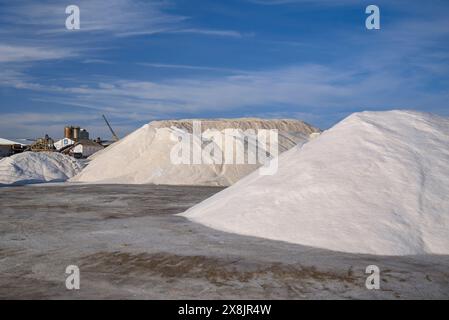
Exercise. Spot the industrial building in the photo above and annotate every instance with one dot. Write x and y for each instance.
(43, 144)
(61, 144)
(76, 143)
(71, 136)
(86, 148)
(76, 133)
(82, 149)
(5, 150)
(9, 147)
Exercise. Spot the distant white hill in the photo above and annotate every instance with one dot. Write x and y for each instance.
(37, 167)
(144, 156)
(377, 183)
(9, 142)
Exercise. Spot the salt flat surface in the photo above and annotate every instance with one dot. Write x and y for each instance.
(129, 244)
(377, 182)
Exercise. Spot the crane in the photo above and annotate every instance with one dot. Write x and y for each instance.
(116, 138)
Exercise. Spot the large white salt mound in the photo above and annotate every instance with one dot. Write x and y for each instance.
(376, 183)
(144, 156)
(37, 167)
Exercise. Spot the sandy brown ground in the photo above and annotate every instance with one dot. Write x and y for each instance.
(128, 244)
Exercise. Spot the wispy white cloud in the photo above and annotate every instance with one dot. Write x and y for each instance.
(30, 118)
(103, 17)
(307, 84)
(96, 61)
(14, 53)
(190, 67)
(177, 30)
(118, 16)
(212, 32)
(296, 88)
(27, 25)
(315, 2)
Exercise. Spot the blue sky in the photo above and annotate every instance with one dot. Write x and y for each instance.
(137, 61)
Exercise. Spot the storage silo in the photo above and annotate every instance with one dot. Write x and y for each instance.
(84, 134)
(76, 133)
(68, 132)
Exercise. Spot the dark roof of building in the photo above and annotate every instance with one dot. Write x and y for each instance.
(87, 143)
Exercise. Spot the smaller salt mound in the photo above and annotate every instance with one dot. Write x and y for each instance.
(143, 157)
(38, 167)
(377, 183)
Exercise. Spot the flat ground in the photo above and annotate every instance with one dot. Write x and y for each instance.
(129, 244)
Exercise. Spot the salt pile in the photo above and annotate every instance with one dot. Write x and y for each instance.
(376, 183)
(144, 155)
(37, 167)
